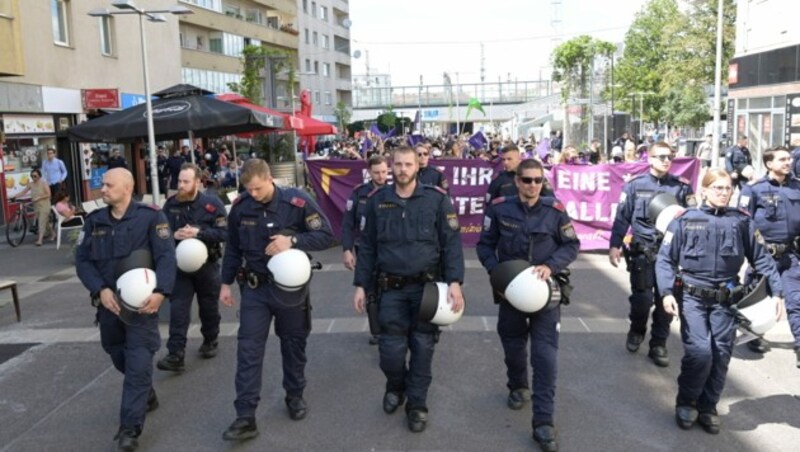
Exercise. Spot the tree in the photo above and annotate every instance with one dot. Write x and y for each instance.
(686, 106)
(572, 66)
(253, 60)
(343, 115)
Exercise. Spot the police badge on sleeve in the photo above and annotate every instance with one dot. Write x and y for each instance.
(314, 222)
(452, 221)
(162, 230)
(568, 231)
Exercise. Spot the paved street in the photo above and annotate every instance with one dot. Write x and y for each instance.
(58, 390)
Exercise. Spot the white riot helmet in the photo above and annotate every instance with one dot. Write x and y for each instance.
(748, 172)
(756, 312)
(435, 306)
(663, 208)
(517, 283)
(136, 282)
(291, 269)
(191, 254)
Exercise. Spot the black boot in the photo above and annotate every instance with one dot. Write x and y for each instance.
(709, 421)
(208, 349)
(242, 428)
(518, 397)
(392, 400)
(152, 400)
(173, 362)
(758, 345)
(417, 419)
(685, 416)
(658, 354)
(127, 438)
(545, 436)
(634, 341)
(297, 407)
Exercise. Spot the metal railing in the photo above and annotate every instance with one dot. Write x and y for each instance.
(365, 96)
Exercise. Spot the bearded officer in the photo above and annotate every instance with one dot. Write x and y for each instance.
(194, 215)
(428, 174)
(356, 205)
(538, 230)
(641, 255)
(263, 222)
(109, 236)
(410, 236)
(774, 203)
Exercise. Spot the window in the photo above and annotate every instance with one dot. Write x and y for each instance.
(328, 98)
(326, 69)
(315, 38)
(305, 6)
(106, 36)
(308, 65)
(308, 40)
(316, 67)
(323, 13)
(314, 9)
(200, 45)
(316, 97)
(182, 39)
(58, 16)
(325, 41)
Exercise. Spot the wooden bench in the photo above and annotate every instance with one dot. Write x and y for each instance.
(13, 286)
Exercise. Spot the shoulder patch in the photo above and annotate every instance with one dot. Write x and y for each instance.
(558, 206)
(210, 208)
(298, 202)
(498, 200)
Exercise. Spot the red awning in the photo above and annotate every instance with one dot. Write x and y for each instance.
(289, 121)
(312, 126)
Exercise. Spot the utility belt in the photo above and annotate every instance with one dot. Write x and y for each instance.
(777, 250)
(387, 281)
(214, 252)
(253, 279)
(638, 249)
(724, 295)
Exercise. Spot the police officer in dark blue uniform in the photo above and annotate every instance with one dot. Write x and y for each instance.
(538, 230)
(109, 237)
(705, 248)
(428, 174)
(774, 202)
(640, 257)
(265, 221)
(174, 165)
(504, 184)
(193, 214)
(410, 237)
(356, 205)
(737, 158)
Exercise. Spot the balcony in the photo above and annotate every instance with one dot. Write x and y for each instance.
(12, 61)
(203, 59)
(268, 33)
(285, 6)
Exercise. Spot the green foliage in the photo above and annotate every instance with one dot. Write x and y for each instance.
(253, 60)
(687, 106)
(387, 121)
(355, 127)
(343, 115)
(572, 63)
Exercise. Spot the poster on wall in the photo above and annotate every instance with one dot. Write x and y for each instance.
(16, 182)
(792, 129)
(16, 124)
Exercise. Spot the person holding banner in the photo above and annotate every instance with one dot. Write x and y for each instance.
(537, 230)
(410, 236)
(355, 210)
(698, 265)
(774, 203)
(640, 256)
(428, 174)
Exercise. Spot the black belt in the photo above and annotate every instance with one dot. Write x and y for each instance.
(254, 279)
(388, 281)
(777, 250)
(722, 295)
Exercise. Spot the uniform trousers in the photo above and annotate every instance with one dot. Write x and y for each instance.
(206, 284)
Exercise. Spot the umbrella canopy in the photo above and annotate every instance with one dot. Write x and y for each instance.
(312, 126)
(174, 118)
(182, 90)
(289, 122)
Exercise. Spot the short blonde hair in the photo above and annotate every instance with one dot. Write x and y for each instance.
(713, 175)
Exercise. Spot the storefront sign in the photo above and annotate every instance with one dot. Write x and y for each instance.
(96, 182)
(100, 98)
(17, 124)
(792, 129)
(131, 100)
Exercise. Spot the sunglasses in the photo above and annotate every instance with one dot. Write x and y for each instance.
(532, 180)
(664, 157)
(422, 154)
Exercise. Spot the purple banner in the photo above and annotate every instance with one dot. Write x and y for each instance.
(590, 192)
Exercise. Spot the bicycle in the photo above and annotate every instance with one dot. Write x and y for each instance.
(17, 227)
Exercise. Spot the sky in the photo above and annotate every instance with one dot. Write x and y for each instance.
(409, 38)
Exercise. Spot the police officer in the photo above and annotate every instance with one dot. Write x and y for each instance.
(163, 171)
(774, 202)
(737, 158)
(379, 175)
(108, 237)
(640, 257)
(410, 237)
(193, 214)
(174, 165)
(504, 184)
(428, 174)
(705, 248)
(265, 221)
(536, 229)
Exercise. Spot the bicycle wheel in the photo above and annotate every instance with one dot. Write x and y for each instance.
(16, 229)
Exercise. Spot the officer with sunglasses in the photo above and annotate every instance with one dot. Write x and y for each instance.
(427, 174)
(640, 256)
(538, 230)
(774, 202)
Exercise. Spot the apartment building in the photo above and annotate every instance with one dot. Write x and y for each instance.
(325, 55)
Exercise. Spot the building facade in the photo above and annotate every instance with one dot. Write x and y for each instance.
(58, 66)
(764, 76)
(325, 55)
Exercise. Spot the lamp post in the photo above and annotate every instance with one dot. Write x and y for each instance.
(717, 89)
(641, 95)
(155, 15)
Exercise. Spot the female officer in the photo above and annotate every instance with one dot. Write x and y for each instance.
(709, 244)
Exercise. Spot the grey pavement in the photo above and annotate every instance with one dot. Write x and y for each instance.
(58, 390)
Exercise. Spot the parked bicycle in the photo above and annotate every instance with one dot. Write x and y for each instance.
(24, 218)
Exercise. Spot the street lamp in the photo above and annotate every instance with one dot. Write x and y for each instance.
(641, 108)
(129, 7)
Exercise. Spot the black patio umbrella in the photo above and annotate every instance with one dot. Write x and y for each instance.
(174, 117)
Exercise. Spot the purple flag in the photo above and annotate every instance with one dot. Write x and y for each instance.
(376, 131)
(366, 146)
(414, 139)
(543, 148)
(478, 141)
